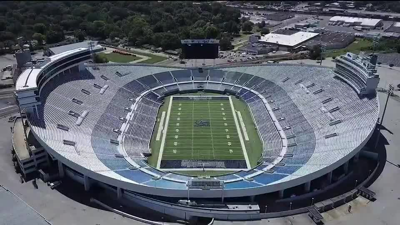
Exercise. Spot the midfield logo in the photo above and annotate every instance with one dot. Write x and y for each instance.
(202, 123)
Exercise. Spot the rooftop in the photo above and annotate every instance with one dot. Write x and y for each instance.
(27, 79)
(363, 21)
(21, 149)
(64, 48)
(288, 40)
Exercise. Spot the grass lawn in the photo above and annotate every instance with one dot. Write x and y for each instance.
(153, 58)
(355, 47)
(254, 145)
(118, 58)
(154, 144)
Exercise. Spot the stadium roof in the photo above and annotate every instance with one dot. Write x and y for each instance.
(362, 21)
(27, 79)
(64, 48)
(288, 40)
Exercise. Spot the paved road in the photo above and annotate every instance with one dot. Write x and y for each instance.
(58, 208)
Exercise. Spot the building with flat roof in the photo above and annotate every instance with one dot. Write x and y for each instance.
(356, 21)
(287, 42)
(64, 48)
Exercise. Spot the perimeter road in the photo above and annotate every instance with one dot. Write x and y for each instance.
(164, 133)
(246, 157)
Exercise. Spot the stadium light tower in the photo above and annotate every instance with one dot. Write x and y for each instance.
(390, 92)
(322, 48)
(91, 45)
(375, 42)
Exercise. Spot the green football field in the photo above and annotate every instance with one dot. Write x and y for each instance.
(202, 130)
(204, 142)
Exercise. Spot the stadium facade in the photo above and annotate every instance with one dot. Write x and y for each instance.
(310, 123)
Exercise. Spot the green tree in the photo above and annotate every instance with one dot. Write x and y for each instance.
(54, 36)
(39, 38)
(231, 27)
(264, 31)
(225, 43)
(212, 32)
(79, 34)
(5, 35)
(261, 25)
(3, 25)
(247, 26)
(100, 29)
(40, 28)
(315, 52)
(197, 33)
(100, 59)
(170, 41)
(2, 50)
(137, 29)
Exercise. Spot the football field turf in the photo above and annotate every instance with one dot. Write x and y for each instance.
(202, 130)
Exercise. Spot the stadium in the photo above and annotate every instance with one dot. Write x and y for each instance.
(157, 135)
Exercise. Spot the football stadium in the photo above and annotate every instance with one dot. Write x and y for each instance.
(157, 135)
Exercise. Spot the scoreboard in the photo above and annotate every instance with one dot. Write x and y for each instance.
(200, 48)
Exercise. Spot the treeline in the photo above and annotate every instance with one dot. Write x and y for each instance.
(162, 24)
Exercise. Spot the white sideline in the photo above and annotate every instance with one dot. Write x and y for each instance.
(240, 134)
(160, 126)
(246, 136)
(164, 134)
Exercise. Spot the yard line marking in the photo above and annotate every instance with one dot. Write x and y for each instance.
(192, 126)
(212, 138)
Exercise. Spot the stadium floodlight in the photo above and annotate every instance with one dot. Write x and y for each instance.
(390, 92)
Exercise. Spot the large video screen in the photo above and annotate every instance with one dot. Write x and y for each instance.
(200, 49)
